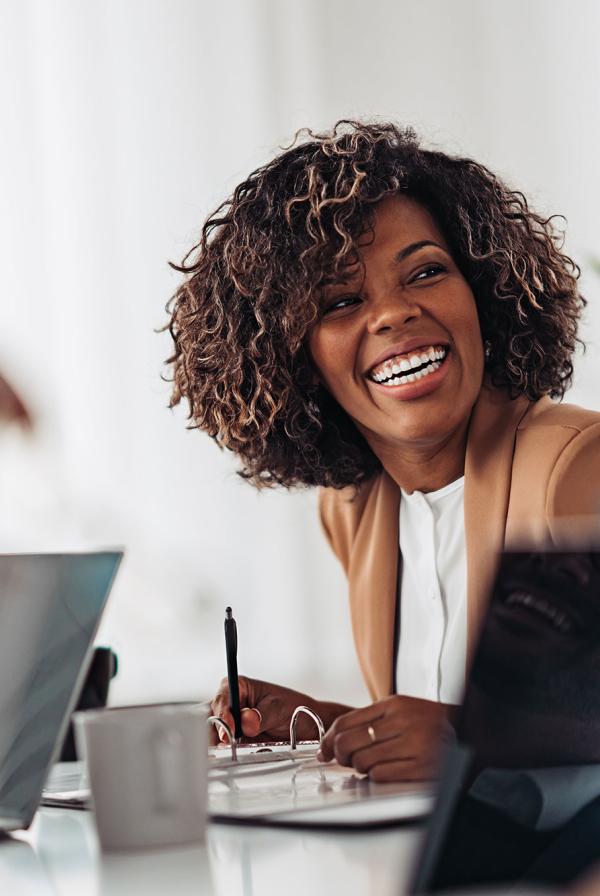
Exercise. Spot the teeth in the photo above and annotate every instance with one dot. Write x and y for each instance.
(389, 373)
(409, 377)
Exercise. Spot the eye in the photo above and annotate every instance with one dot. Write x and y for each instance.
(432, 270)
(340, 303)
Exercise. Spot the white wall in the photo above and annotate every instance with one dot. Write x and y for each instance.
(124, 123)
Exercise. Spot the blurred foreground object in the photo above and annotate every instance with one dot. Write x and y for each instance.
(12, 408)
(94, 693)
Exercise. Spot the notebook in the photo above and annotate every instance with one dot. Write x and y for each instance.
(281, 788)
(50, 609)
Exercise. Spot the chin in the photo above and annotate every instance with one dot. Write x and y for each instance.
(421, 432)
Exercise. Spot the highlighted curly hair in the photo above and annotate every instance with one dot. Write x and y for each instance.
(252, 290)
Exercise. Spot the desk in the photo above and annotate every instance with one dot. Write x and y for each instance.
(59, 856)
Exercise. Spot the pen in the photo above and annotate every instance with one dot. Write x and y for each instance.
(232, 672)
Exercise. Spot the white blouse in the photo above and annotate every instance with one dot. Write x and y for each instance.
(432, 620)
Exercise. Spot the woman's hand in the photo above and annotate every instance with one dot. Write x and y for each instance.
(267, 710)
(396, 739)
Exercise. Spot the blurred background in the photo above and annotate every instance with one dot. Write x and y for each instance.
(124, 123)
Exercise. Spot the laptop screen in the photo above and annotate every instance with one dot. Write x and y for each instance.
(519, 794)
(50, 608)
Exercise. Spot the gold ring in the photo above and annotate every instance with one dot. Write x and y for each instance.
(371, 733)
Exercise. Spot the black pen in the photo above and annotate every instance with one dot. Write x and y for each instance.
(232, 672)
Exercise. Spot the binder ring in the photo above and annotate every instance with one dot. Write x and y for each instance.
(294, 722)
(219, 723)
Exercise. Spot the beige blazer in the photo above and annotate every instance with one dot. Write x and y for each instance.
(527, 465)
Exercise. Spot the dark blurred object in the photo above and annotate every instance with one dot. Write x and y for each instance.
(519, 797)
(12, 408)
(94, 693)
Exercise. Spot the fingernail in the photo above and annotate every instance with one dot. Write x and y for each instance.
(320, 756)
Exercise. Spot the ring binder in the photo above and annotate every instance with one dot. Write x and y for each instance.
(219, 723)
(294, 722)
(265, 752)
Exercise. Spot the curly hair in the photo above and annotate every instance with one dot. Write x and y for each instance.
(253, 284)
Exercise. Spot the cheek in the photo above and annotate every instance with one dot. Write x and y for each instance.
(332, 358)
(468, 330)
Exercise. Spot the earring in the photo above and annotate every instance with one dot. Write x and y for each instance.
(487, 349)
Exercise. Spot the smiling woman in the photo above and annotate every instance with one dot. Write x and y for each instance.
(410, 302)
(392, 324)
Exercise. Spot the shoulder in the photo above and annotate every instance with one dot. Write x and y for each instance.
(561, 443)
(550, 414)
(340, 512)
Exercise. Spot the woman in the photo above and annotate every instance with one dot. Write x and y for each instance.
(391, 324)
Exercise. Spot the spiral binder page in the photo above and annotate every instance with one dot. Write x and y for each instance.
(306, 793)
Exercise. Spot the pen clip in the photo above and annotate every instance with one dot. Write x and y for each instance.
(294, 722)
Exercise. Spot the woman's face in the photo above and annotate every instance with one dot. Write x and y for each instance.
(398, 344)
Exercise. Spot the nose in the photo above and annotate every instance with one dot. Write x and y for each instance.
(391, 311)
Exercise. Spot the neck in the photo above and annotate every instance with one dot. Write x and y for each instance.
(425, 467)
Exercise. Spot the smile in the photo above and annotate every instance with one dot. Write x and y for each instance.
(538, 605)
(410, 367)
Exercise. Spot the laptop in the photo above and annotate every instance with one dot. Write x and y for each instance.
(519, 793)
(50, 609)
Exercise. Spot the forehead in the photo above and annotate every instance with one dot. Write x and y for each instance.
(399, 221)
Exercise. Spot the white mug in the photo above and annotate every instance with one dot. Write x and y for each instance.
(147, 768)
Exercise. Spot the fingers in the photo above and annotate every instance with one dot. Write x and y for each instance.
(251, 722)
(392, 757)
(275, 711)
(358, 741)
(221, 734)
(266, 709)
(220, 707)
(356, 720)
(396, 739)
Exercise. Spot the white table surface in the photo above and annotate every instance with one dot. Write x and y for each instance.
(59, 856)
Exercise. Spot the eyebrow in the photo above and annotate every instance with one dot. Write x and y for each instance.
(399, 256)
(414, 247)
